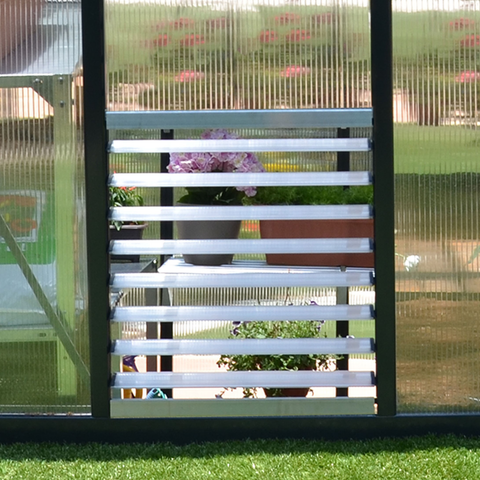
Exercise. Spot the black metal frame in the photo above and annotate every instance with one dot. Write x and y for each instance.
(99, 427)
(382, 102)
(97, 204)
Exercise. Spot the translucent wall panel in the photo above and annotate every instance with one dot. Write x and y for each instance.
(195, 55)
(437, 77)
(43, 323)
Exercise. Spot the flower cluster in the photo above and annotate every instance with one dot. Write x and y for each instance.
(239, 162)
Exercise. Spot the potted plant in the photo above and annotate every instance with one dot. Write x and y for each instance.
(311, 195)
(126, 197)
(205, 162)
(277, 329)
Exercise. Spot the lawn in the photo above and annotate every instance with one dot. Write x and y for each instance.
(429, 457)
(436, 150)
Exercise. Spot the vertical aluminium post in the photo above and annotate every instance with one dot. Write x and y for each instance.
(96, 178)
(382, 102)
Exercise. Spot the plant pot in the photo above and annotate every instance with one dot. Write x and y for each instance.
(127, 232)
(192, 230)
(319, 229)
(286, 392)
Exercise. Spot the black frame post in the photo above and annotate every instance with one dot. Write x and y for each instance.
(96, 178)
(166, 233)
(382, 102)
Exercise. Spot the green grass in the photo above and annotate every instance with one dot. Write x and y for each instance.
(444, 150)
(429, 457)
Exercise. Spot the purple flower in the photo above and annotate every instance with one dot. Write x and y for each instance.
(204, 162)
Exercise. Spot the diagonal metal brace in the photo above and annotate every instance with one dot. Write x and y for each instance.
(54, 316)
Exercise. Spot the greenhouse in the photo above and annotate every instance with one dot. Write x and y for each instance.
(317, 276)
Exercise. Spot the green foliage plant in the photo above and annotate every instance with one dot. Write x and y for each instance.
(276, 329)
(124, 197)
(312, 195)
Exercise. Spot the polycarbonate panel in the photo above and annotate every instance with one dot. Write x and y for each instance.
(437, 164)
(204, 55)
(43, 321)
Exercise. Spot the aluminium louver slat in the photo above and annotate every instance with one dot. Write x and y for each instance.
(283, 346)
(226, 179)
(269, 379)
(307, 245)
(240, 313)
(242, 407)
(263, 119)
(258, 212)
(242, 145)
(172, 280)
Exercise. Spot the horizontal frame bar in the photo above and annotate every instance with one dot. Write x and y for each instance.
(227, 179)
(179, 431)
(305, 118)
(243, 407)
(172, 280)
(268, 379)
(242, 145)
(220, 246)
(275, 346)
(239, 313)
(257, 212)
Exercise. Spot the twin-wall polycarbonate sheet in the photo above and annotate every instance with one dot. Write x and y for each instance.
(242, 55)
(436, 106)
(42, 217)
